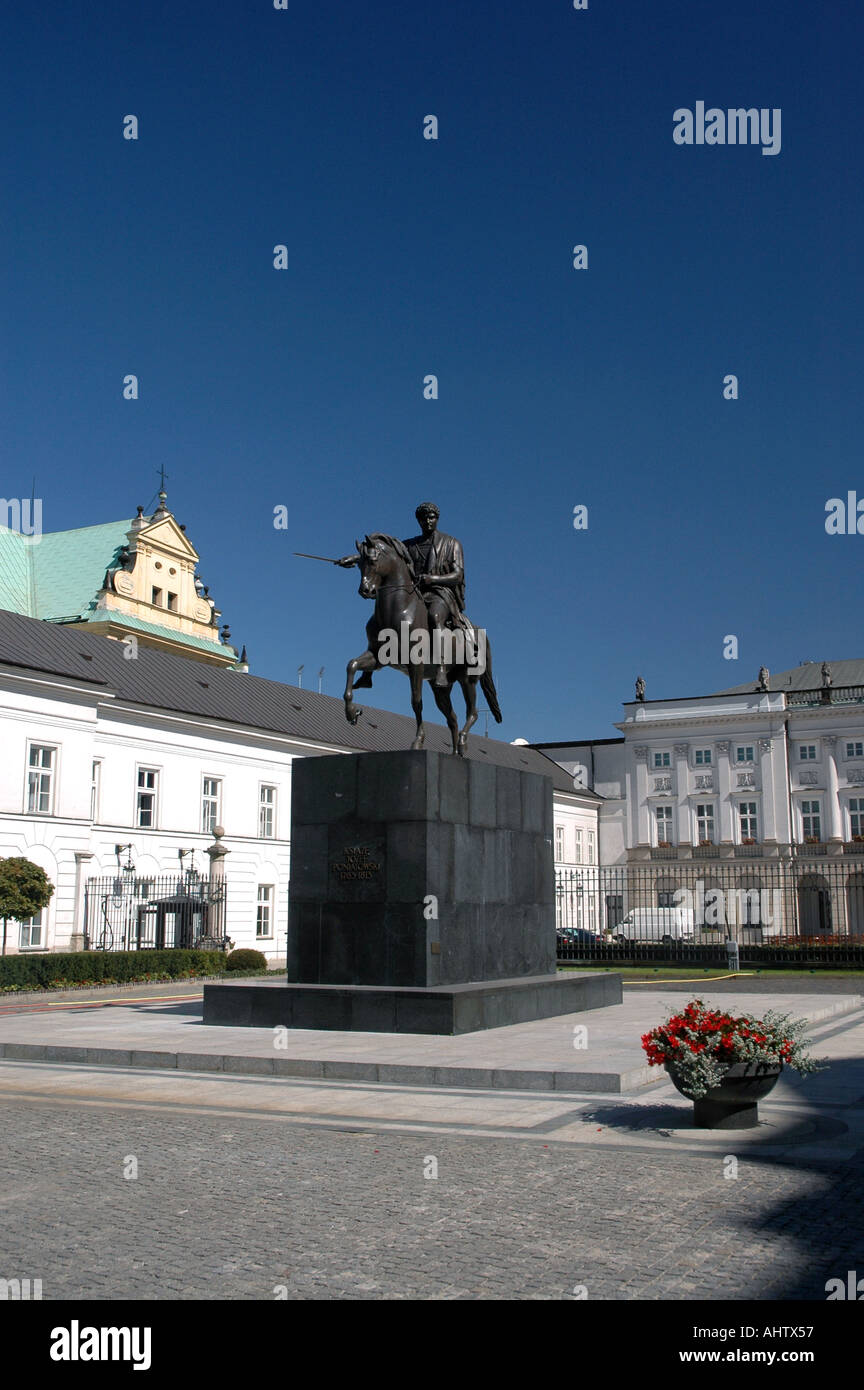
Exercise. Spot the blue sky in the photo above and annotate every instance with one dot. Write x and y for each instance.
(407, 256)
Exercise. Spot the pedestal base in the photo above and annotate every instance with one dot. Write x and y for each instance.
(447, 1009)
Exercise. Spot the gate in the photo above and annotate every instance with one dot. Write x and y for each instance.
(125, 913)
(814, 906)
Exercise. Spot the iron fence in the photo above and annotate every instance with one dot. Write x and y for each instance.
(809, 909)
(127, 913)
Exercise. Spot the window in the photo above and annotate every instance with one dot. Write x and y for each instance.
(267, 813)
(145, 807)
(855, 750)
(559, 843)
(807, 752)
(703, 757)
(95, 787)
(210, 799)
(856, 816)
(156, 596)
(264, 917)
(811, 820)
(590, 846)
(748, 822)
(40, 779)
(172, 602)
(705, 823)
(744, 753)
(664, 824)
(31, 933)
(662, 760)
(578, 847)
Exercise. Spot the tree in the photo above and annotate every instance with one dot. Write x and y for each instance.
(24, 890)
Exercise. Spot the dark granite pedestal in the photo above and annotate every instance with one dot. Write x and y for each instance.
(378, 1009)
(421, 901)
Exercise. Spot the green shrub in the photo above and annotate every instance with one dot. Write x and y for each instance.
(81, 968)
(246, 960)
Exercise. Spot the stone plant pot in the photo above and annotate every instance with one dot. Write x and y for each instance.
(734, 1103)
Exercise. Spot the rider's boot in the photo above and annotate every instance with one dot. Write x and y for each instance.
(439, 680)
(363, 682)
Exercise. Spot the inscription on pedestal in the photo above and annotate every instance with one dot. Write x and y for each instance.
(357, 863)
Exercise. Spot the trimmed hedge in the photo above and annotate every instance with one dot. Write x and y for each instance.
(245, 959)
(52, 971)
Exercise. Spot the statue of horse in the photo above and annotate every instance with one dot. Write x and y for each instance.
(399, 634)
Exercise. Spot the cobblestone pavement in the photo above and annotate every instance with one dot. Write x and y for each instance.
(232, 1206)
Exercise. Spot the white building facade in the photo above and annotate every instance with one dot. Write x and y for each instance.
(754, 790)
(88, 784)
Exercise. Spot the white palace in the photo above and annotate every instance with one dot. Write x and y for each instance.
(759, 785)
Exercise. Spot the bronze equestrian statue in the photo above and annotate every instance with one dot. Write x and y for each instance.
(420, 625)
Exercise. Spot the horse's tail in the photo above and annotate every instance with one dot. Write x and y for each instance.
(487, 685)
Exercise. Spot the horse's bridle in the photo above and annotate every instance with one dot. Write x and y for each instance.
(398, 588)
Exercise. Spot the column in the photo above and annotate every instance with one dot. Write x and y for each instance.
(833, 820)
(217, 921)
(682, 780)
(641, 819)
(726, 810)
(766, 777)
(77, 941)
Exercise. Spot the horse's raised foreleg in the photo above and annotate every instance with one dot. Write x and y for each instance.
(469, 690)
(367, 661)
(415, 675)
(445, 704)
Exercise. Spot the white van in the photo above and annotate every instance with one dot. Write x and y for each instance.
(656, 924)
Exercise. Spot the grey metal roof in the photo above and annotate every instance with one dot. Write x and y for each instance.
(165, 681)
(808, 676)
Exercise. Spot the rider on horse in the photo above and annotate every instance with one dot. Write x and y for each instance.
(440, 573)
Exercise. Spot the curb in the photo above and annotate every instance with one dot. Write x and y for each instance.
(393, 1073)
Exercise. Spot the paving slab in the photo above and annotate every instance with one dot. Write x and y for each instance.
(595, 1053)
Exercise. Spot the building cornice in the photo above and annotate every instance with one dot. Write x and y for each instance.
(674, 727)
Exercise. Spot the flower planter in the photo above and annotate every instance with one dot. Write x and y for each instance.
(734, 1103)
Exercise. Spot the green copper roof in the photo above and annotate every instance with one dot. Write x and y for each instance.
(69, 567)
(57, 575)
(16, 582)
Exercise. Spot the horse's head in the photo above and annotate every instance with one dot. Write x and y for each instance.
(380, 557)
